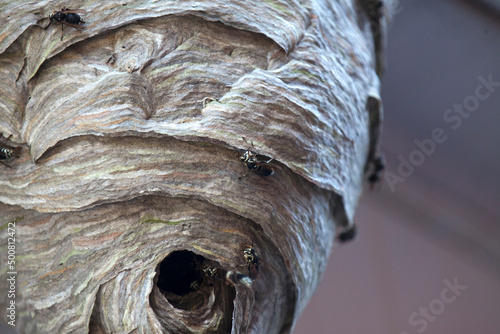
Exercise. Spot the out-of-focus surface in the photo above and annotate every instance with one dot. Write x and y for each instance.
(427, 258)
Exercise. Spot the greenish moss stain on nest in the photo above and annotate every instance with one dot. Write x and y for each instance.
(181, 74)
(236, 105)
(17, 220)
(162, 69)
(31, 256)
(277, 6)
(193, 72)
(308, 74)
(118, 169)
(72, 253)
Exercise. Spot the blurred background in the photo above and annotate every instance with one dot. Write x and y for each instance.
(427, 256)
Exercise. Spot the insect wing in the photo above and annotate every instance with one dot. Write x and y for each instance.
(262, 167)
(236, 278)
(73, 25)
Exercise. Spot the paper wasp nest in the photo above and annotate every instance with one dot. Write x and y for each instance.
(131, 206)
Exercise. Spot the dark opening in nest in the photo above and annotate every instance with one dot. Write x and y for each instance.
(179, 273)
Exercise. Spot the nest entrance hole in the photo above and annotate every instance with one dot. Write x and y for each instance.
(179, 273)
